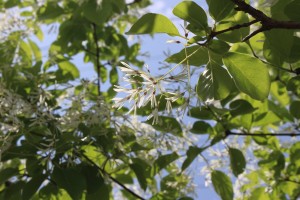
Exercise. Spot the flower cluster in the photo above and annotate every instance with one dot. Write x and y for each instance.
(144, 90)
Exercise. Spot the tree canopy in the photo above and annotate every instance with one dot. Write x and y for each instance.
(223, 111)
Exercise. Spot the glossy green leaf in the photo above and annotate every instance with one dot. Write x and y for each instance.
(279, 92)
(237, 161)
(200, 57)
(240, 107)
(219, 9)
(295, 109)
(71, 180)
(235, 35)
(167, 125)
(250, 75)
(191, 154)
(222, 185)
(201, 127)
(153, 23)
(214, 83)
(192, 13)
(163, 161)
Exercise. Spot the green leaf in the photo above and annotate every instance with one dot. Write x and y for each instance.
(7, 173)
(197, 59)
(250, 75)
(291, 10)
(36, 50)
(201, 113)
(214, 83)
(113, 76)
(71, 180)
(237, 161)
(163, 161)
(240, 107)
(167, 125)
(277, 49)
(222, 185)
(191, 154)
(219, 9)
(192, 13)
(293, 85)
(32, 186)
(259, 194)
(201, 127)
(153, 23)
(97, 13)
(139, 167)
(295, 109)
(50, 11)
(235, 35)
(68, 69)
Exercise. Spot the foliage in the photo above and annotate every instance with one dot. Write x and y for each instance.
(236, 78)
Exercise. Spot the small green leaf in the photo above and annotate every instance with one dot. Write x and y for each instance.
(153, 23)
(36, 50)
(163, 161)
(113, 76)
(219, 9)
(250, 75)
(237, 161)
(191, 154)
(197, 59)
(259, 194)
(201, 127)
(222, 185)
(192, 13)
(295, 109)
(97, 13)
(240, 107)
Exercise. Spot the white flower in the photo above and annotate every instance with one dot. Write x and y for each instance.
(154, 115)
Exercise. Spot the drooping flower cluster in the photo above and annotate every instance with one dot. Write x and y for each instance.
(144, 89)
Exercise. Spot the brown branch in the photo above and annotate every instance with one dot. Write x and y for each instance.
(266, 22)
(98, 65)
(228, 133)
(110, 177)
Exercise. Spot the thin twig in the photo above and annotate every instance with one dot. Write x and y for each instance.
(228, 133)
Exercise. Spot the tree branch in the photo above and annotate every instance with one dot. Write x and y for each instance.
(228, 133)
(98, 64)
(112, 178)
(266, 22)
